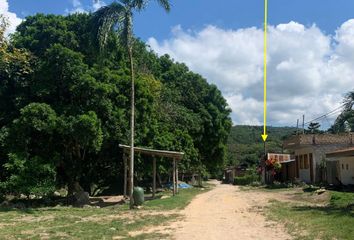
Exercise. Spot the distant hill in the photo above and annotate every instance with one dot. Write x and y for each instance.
(245, 144)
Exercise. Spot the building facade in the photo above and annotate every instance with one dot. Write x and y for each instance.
(310, 154)
(343, 166)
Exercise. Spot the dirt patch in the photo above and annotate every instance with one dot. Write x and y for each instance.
(226, 211)
(31, 219)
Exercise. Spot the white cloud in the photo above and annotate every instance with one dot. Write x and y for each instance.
(308, 71)
(14, 21)
(97, 4)
(77, 7)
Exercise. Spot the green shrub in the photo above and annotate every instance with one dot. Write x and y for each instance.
(280, 185)
(245, 180)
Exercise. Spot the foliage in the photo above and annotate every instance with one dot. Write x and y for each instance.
(64, 109)
(345, 120)
(313, 128)
(245, 180)
(313, 221)
(29, 166)
(245, 144)
(249, 178)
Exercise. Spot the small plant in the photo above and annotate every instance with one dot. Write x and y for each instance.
(247, 179)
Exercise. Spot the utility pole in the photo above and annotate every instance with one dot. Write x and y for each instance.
(132, 130)
(265, 165)
(297, 127)
(303, 124)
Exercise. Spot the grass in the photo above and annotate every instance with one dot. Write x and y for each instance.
(268, 188)
(178, 202)
(93, 223)
(308, 221)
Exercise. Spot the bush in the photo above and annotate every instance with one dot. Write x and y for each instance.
(280, 185)
(245, 180)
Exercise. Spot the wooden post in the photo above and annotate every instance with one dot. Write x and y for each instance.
(174, 177)
(153, 177)
(131, 178)
(177, 177)
(125, 174)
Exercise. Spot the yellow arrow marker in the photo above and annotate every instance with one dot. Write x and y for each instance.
(264, 135)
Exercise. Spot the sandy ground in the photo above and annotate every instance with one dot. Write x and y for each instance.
(228, 213)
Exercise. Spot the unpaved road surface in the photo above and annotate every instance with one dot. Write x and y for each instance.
(228, 213)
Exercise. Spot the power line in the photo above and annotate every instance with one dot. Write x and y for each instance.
(327, 114)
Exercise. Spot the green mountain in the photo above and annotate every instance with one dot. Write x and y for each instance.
(245, 144)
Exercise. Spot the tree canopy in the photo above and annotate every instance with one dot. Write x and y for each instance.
(245, 146)
(65, 108)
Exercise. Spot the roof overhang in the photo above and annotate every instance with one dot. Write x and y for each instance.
(348, 152)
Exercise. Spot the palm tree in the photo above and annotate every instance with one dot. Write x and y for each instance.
(349, 101)
(120, 15)
(346, 117)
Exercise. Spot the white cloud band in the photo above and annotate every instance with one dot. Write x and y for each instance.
(14, 21)
(308, 71)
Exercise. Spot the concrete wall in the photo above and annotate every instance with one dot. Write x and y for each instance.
(332, 172)
(319, 139)
(305, 174)
(319, 155)
(346, 170)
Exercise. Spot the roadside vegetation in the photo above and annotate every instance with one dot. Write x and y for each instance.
(66, 107)
(114, 222)
(308, 211)
(245, 146)
(311, 216)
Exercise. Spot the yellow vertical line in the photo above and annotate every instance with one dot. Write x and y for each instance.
(265, 63)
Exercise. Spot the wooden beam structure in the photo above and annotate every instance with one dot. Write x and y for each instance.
(125, 174)
(174, 176)
(154, 152)
(153, 177)
(176, 169)
(175, 156)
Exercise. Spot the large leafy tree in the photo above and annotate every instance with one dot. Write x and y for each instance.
(88, 96)
(121, 14)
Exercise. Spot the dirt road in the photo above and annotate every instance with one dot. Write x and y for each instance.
(228, 213)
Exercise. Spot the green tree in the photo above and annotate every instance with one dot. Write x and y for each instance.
(345, 120)
(314, 128)
(32, 161)
(122, 14)
(89, 93)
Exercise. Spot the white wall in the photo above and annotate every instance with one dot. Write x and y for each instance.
(346, 175)
(304, 174)
(319, 154)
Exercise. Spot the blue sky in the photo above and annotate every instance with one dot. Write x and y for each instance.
(195, 14)
(311, 49)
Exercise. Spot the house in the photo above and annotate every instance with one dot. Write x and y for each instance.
(231, 172)
(310, 154)
(287, 170)
(342, 171)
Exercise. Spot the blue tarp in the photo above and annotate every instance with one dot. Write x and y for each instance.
(180, 185)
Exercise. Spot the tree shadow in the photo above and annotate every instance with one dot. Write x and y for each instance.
(331, 210)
